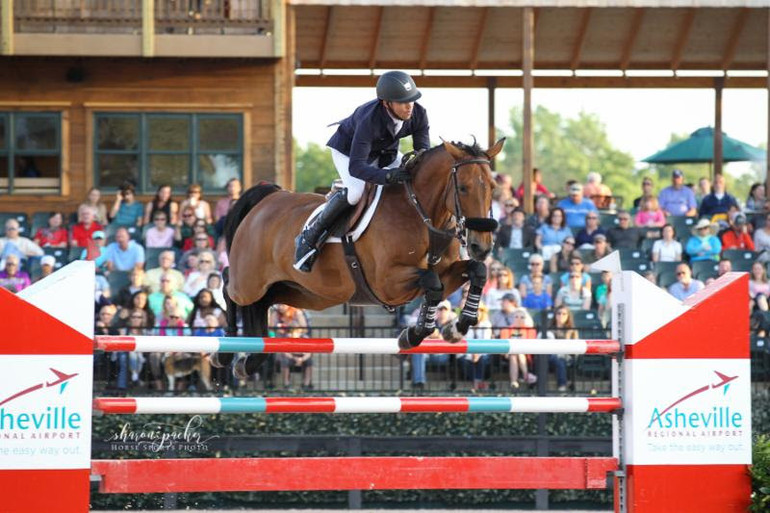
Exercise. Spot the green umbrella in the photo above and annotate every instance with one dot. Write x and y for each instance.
(699, 147)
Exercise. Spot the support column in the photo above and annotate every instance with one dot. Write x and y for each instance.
(148, 28)
(6, 27)
(719, 84)
(767, 161)
(492, 131)
(527, 60)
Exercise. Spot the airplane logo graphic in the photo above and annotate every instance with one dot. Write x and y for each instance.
(62, 379)
(724, 382)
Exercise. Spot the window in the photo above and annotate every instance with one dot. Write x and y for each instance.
(151, 149)
(30, 152)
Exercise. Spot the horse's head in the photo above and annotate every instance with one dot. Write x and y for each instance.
(470, 193)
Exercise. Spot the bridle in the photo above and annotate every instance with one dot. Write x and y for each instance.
(439, 239)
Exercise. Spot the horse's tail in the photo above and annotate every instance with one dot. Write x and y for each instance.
(242, 207)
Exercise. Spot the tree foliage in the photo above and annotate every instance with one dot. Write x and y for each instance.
(568, 149)
(314, 167)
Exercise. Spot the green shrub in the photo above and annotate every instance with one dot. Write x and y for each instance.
(760, 475)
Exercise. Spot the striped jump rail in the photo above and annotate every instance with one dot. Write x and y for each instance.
(227, 405)
(352, 345)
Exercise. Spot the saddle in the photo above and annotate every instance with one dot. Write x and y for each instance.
(347, 222)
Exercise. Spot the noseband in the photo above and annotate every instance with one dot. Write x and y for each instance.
(439, 239)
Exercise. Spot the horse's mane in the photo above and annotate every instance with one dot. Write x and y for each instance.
(473, 150)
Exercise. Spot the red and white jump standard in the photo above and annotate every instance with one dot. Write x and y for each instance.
(681, 408)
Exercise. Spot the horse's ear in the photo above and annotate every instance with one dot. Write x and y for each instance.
(494, 150)
(453, 150)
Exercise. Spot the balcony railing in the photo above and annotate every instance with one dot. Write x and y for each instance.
(125, 16)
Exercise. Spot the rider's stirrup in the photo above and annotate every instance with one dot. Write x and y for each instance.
(309, 242)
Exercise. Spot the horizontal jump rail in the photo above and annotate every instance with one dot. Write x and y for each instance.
(227, 405)
(351, 473)
(352, 345)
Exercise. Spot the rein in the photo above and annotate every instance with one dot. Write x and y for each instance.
(439, 239)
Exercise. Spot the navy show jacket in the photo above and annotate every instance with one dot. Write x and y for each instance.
(366, 136)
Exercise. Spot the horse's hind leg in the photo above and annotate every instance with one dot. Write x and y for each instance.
(220, 360)
(254, 325)
(426, 320)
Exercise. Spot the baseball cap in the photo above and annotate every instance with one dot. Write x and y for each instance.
(740, 219)
(98, 234)
(600, 236)
(444, 304)
(677, 173)
(48, 260)
(510, 297)
(575, 187)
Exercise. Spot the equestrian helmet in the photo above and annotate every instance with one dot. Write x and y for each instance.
(397, 86)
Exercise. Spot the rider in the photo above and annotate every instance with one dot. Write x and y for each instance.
(363, 145)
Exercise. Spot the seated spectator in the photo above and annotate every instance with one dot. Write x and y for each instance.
(600, 250)
(756, 199)
(197, 279)
(596, 191)
(685, 286)
(703, 189)
(15, 244)
(542, 212)
(199, 239)
(538, 298)
(162, 203)
(82, 232)
(574, 295)
(647, 190)
(181, 300)
(126, 211)
(96, 251)
(102, 293)
(475, 366)
(536, 270)
(138, 301)
(602, 297)
(551, 234)
(623, 236)
(649, 215)
(211, 328)
(762, 240)
(200, 207)
(204, 305)
(171, 323)
(223, 206)
(160, 234)
(503, 286)
(513, 323)
(125, 296)
(132, 363)
(585, 237)
(513, 233)
(737, 236)
(717, 203)
(47, 266)
(216, 285)
(667, 248)
(576, 265)
(166, 263)
(12, 277)
(704, 245)
(758, 282)
(678, 199)
(560, 261)
(444, 316)
(538, 187)
(94, 200)
(54, 235)
(576, 207)
(124, 254)
(561, 326)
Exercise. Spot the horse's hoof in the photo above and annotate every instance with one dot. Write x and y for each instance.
(220, 360)
(403, 340)
(451, 334)
(239, 369)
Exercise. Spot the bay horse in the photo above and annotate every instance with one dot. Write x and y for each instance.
(449, 196)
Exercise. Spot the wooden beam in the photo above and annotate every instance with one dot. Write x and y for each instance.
(374, 45)
(628, 47)
(528, 60)
(426, 38)
(328, 31)
(681, 40)
(6, 27)
(735, 36)
(480, 30)
(478, 81)
(582, 31)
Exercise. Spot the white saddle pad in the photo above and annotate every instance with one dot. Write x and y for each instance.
(363, 223)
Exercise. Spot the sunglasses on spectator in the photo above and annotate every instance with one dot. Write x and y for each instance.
(202, 239)
(535, 263)
(205, 261)
(574, 276)
(11, 229)
(591, 217)
(137, 317)
(680, 273)
(160, 218)
(173, 317)
(188, 215)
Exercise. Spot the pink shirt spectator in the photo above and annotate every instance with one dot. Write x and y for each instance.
(650, 218)
(17, 282)
(155, 238)
(756, 287)
(222, 208)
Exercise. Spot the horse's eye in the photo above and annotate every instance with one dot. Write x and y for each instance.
(463, 189)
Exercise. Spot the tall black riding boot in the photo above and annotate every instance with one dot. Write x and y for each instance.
(308, 243)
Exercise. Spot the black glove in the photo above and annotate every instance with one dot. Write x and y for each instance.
(397, 175)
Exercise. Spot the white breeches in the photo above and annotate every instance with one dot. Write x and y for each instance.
(354, 185)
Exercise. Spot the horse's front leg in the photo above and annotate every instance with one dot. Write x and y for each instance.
(477, 274)
(426, 320)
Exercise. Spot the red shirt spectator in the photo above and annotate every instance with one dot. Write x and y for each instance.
(737, 237)
(82, 232)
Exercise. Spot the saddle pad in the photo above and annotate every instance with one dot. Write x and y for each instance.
(363, 223)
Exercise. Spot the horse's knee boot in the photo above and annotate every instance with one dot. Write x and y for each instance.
(477, 275)
(221, 360)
